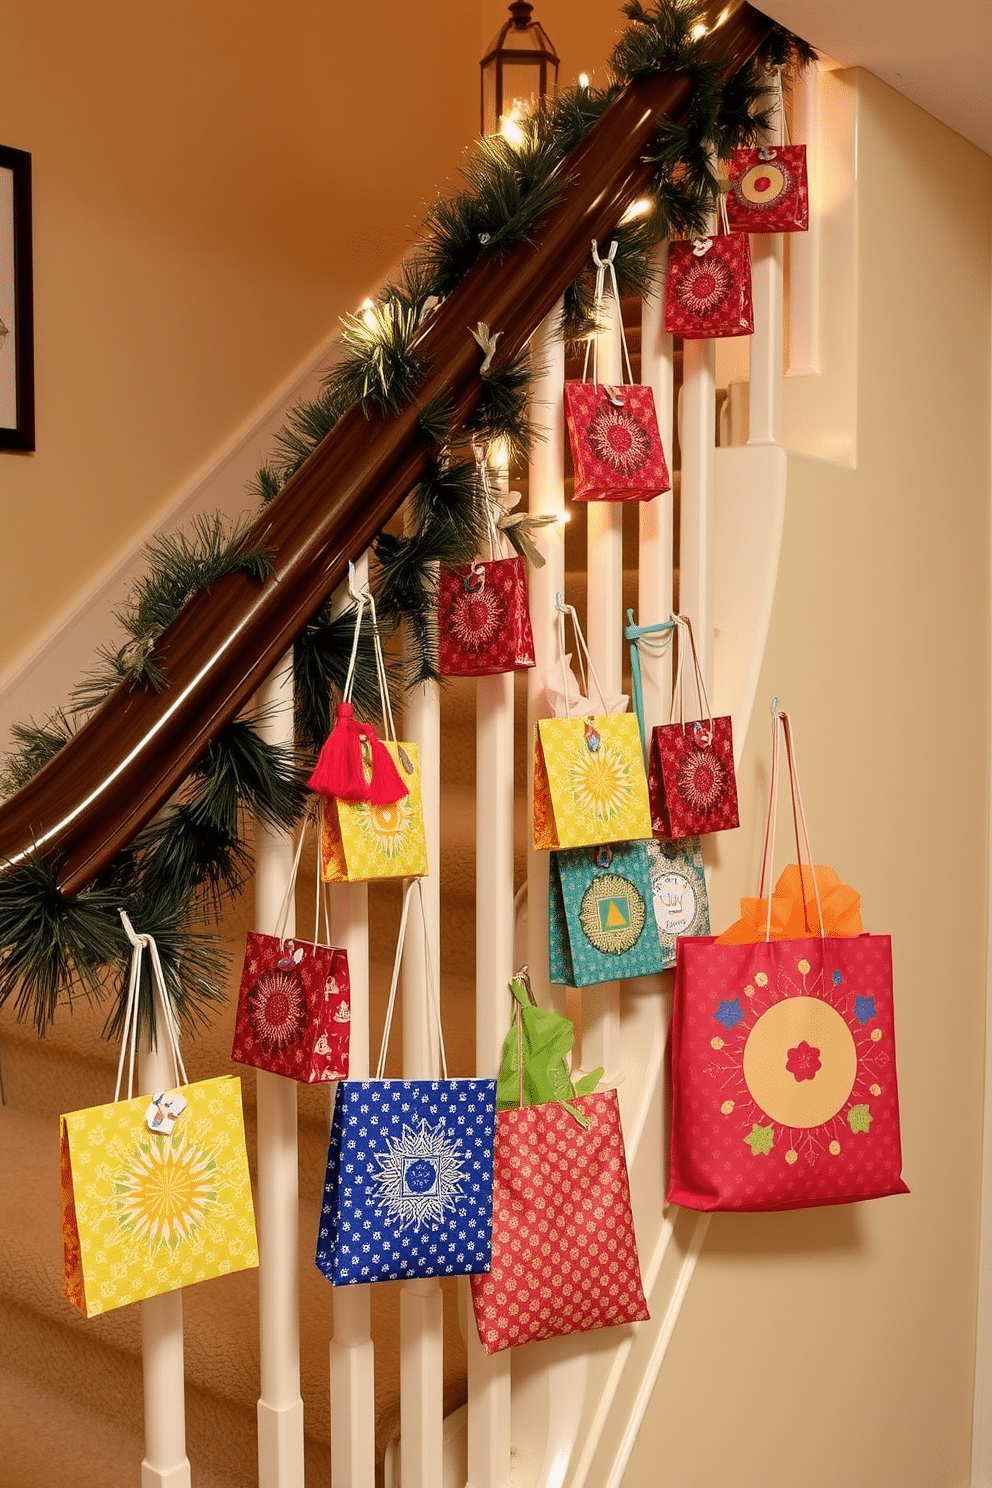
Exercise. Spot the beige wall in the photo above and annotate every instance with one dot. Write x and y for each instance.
(835, 1347)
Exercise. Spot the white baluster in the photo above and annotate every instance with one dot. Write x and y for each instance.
(696, 498)
(803, 353)
(280, 1405)
(421, 1304)
(165, 1463)
(547, 496)
(352, 1354)
(655, 518)
(600, 1005)
(765, 378)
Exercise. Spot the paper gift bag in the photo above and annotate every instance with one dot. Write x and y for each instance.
(483, 619)
(589, 781)
(783, 1061)
(768, 190)
(601, 922)
(678, 891)
(691, 777)
(564, 1255)
(362, 840)
(708, 287)
(408, 1188)
(155, 1188)
(294, 1001)
(617, 453)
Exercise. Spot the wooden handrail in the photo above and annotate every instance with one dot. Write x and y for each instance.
(132, 753)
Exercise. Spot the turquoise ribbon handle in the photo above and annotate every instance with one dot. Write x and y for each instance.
(633, 634)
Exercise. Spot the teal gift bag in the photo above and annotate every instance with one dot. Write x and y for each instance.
(601, 919)
(678, 885)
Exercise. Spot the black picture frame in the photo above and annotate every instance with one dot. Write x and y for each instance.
(16, 302)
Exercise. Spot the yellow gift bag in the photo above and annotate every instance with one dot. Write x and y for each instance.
(362, 839)
(589, 780)
(155, 1189)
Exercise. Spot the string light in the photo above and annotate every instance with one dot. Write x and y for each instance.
(368, 314)
(643, 207)
(583, 80)
(510, 129)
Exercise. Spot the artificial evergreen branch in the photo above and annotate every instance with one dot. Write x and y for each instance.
(37, 744)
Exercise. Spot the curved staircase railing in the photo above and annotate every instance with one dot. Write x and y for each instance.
(125, 762)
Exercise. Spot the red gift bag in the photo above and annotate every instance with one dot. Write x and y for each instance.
(617, 453)
(564, 1256)
(294, 1003)
(692, 785)
(783, 1062)
(483, 619)
(708, 287)
(768, 190)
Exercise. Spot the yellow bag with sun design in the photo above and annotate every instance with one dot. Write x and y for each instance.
(155, 1190)
(360, 841)
(590, 785)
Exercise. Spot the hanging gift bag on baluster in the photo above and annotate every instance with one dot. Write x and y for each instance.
(601, 921)
(371, 801)
(564, 1254)
(483, 613)
(678, 893)
(408, 1190)
(294, 1002)
(783, 1053)
(617, 452)
(691, 777)
(589, 781)
(155, 1188)
(767, 186)
(708, 285)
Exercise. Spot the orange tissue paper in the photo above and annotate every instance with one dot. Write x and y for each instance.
(794, 909)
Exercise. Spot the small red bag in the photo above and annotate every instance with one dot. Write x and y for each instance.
(692, 786)
(768, 190)
(564, 1256)
(617, 453)
(483, 619)
(708, 287)
(294, 1004)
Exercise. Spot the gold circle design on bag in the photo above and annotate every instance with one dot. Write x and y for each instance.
(763, 185)
(800, 1062)
(612, 914)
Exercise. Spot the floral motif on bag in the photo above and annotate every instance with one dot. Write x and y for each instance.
(701, 779)
(763, 184)
(619, 439)
(601, 780)
(612, 914)
(277, 1009)
(421, 1176)
(706, 284)
(798, 1097)
(476, 618)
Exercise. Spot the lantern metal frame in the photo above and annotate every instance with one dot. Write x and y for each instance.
(541, 58)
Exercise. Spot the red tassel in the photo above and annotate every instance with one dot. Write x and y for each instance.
(341, 769)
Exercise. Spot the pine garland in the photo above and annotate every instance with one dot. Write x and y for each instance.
(174, 875)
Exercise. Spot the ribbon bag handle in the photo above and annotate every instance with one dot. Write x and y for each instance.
(637, 635)
(166, 1021)
(582, 657)
(782, 730)
(605, 266)
(433, 997)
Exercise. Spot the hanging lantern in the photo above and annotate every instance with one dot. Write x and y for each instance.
(521, 65)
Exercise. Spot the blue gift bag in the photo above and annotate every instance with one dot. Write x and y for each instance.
(601, 922)
(409, 1184)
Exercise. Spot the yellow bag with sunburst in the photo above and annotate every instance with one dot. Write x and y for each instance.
(360, 841)
(589, 781)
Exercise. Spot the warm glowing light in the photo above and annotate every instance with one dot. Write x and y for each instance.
(499, 455)
(510, 129)
(583, 80)
(563, 517)
(698, 30)
(368, 313)
(643, 207)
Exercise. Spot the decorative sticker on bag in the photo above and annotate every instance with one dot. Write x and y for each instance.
(800, 1066)
(421, 1176)
(612, 914)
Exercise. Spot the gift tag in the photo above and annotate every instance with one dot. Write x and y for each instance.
(165, 1109)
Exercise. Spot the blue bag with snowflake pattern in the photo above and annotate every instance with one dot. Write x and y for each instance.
(409, 1184)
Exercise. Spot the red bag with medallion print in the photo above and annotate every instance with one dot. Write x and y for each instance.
(692, 787)
(768, 190)
(483, 614)
(294, 1003)
(613, 430)
(564, 1255)
(783, 1058)
(708, 286)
